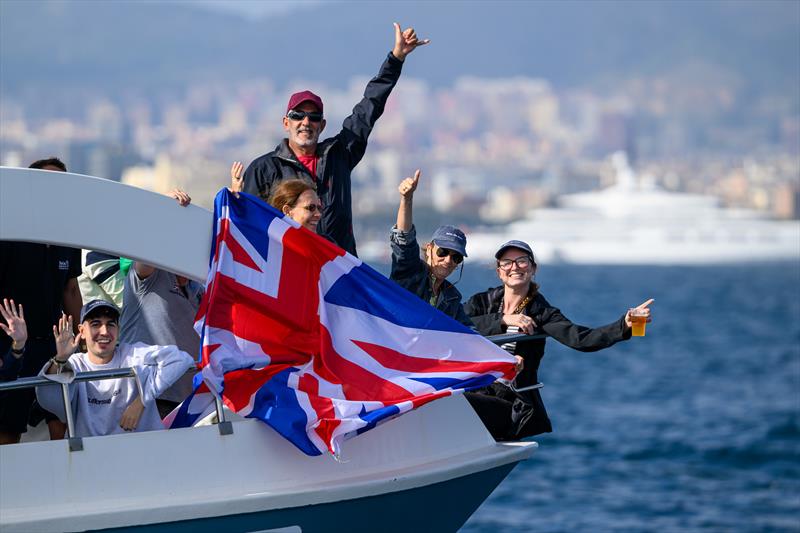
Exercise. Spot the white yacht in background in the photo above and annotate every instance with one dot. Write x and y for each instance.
(635, 222)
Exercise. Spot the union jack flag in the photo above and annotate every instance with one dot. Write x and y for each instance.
(317, 344)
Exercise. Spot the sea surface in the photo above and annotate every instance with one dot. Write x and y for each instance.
(695, 427)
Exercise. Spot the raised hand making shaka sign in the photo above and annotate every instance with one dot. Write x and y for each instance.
(405, 42)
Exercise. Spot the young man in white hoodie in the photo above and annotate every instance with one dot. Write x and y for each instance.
(112, 405)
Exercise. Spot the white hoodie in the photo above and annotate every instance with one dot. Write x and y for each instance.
(97, 406)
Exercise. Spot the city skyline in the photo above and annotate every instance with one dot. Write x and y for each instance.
(491, 146)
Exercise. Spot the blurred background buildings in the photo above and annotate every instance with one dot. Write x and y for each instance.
(503, 112)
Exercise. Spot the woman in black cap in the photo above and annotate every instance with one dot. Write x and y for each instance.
(518, 306)
(425, 275)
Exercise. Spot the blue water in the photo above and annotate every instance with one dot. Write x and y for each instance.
(695, 427)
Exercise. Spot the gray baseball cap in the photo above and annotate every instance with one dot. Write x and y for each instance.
(514, 244)
(451, 238)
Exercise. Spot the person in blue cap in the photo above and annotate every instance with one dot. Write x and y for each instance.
(425, 274)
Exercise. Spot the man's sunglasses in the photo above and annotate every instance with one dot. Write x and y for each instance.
(455, 257)
(313, 116)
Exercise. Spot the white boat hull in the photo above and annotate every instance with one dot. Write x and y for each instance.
(427, 470)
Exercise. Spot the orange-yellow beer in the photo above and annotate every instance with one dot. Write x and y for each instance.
(638, 324)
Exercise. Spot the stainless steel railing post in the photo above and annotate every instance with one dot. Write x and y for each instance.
(225, 427)
(75, 443)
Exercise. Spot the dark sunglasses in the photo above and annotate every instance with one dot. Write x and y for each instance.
(313, 116)
(456, 257)
(312, 208)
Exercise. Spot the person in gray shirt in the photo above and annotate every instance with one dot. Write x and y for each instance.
(159, 309)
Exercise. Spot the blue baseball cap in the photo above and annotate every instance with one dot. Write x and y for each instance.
(451, 238)
(98, 304)
(514, 244)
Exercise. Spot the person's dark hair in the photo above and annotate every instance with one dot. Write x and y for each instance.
(287, 192)
(52, 162)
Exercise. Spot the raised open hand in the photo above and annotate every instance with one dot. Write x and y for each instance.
(405, 42)
(15, 326)
(66, 342)
(409, 185)
(236, 178)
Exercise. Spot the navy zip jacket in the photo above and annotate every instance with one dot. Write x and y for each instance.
(337, 155)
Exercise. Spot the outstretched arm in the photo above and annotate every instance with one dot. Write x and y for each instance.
(405, 217)
(358, 126)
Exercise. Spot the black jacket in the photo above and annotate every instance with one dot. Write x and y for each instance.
(337, 157)
(529, 415)
(410, 272)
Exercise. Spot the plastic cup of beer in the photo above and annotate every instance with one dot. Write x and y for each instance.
(638, 322)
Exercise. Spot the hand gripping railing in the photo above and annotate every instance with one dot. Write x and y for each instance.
(225, 426)
(504, 338)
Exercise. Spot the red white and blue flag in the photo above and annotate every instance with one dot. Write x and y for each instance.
(317, 344)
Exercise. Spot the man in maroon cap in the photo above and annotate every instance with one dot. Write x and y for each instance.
(329, 163)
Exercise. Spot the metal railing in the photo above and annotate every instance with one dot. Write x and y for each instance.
(504, 338)
(75, 442)
(225, 426)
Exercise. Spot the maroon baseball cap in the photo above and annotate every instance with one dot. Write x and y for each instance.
(304, 96)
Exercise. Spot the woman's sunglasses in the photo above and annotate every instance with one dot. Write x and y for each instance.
(312, 208)
(313, 116)
(455, 257)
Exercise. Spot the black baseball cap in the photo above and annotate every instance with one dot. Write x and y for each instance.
(94, 305)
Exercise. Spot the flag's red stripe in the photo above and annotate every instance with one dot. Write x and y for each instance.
(406, 363)
(425, 398)
(323, 408)
(251, 315)
(358, 384)
(237, 251)
(241, 385)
